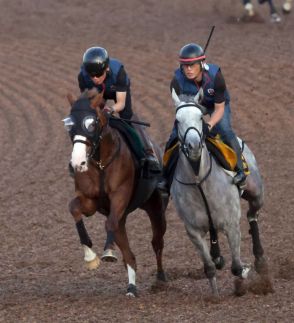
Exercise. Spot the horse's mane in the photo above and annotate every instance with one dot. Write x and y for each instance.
(91, 94)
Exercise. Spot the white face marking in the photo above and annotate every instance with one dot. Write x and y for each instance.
(79, 155)
(131, 275)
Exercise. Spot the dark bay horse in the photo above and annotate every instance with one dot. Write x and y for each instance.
(106, 181)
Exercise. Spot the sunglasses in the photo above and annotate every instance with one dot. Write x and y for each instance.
(96, 74)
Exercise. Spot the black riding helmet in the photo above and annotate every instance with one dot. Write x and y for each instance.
(191, 54)
(95, 61)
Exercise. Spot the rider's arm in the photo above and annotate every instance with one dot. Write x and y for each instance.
(120, 101)
(219, 99)
(121, 90)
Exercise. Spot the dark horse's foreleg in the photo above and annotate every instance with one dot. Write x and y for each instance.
(109, 254)
(155, 208)
(75, 208)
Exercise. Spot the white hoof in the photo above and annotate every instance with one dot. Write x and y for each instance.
(93, 264)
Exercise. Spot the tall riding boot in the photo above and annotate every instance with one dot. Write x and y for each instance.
(152, 160)
(240, 177)
(163, 183)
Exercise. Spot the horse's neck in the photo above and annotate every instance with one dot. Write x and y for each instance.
(109, 142)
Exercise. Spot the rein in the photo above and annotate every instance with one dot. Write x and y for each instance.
(102, 166)
(99, 163)
(215, 251)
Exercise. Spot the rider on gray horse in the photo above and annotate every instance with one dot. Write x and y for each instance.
(193, 74)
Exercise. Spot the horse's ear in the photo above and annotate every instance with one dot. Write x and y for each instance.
(175, 98)
(71, 98)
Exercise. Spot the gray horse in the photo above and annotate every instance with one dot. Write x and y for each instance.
(206, 199)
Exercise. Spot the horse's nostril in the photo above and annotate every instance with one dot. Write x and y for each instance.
(190, 146)
(83, 163)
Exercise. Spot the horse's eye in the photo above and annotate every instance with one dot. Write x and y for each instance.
(68, 123)
(89, 123)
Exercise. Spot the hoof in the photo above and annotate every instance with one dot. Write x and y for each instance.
(275, 18)
(132, 291)
(245, 271)
(286, 8)
(240, 287)
(219, 262)
(109, 256)
(161, 276)
(93, 264)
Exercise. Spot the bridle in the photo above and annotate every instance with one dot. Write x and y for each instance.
(182, 140)
(94, 144)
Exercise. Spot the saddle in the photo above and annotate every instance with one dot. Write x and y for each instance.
(223, 154)
(130, 136)
(146, 181)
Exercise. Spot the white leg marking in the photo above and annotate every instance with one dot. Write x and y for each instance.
(89, 253)
(131, 275)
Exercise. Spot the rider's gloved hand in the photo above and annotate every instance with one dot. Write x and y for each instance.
(108, 109)
(206, 129)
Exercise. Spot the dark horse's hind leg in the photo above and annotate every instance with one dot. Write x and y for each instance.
(155, 208)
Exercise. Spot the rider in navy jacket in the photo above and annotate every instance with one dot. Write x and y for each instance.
(108, 75)
(193, 74)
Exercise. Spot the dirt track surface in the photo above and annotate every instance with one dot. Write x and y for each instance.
(42, 276)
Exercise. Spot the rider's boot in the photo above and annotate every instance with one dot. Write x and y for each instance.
(152, 160)
(150, 156)
(240, 177)
(163, 184)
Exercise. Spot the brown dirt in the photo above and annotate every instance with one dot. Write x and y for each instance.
(42, 276)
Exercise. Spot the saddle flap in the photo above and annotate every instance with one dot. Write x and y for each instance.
(224, 154)
(130, 136)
